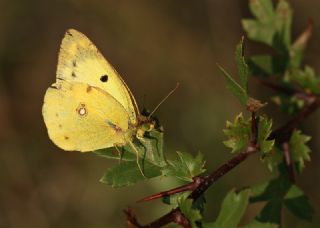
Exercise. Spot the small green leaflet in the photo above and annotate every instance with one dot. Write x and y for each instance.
(306, 78)
(271, 25)
(280, 192)
(264, 131)
(242, 66)
(238, 133)
(233, 208)
(185, 167)
(298, 149)
(238, 91)
(298, 204)
(188, 211)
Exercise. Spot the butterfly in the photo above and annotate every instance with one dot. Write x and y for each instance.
(89, 107)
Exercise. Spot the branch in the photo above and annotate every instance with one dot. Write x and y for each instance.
(281, 135)
(288, 161)
(200, 185)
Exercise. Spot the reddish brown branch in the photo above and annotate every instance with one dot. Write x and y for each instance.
(288, 161)
(187, 187)
(283, 133)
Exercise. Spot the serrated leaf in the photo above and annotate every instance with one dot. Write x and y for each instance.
(271, 190)
(242, 66)
(128, 173)
(264, 131)
(261, 65)
(193, 215)
(299, 150)
(269, 217)
(262, 10)
(298, 204)
(306, 78)
(149, 147)
(238, 91)
(152, 144)
(284, 16)
(185, 167)
(233, 207)
(273, 159)
(259, 32)
(173, 200)
(272, 26)
(238, 133)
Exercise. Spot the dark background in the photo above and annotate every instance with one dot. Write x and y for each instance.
(153, 44)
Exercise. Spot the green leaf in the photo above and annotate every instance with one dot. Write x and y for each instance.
(269, 216)
(271, 213)
(128, 173)
(238, 133)
(298, 204)
(271, 190)
(173, 200)
(299, 150)
(261, 65)
(262, 10)
(242, 66)
(187, 210)
(272, 26)
(113, 153)
(264, 131)
(258, 31)
(237, 91)
(258, 224)
(273, 159)
(149, 147)
(233, 207)
(307, 79)
(185, 167)
(284, 17)
(152, 145)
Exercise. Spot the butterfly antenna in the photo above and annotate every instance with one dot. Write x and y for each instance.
(164, 99)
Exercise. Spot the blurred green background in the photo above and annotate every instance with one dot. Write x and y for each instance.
(153, 45)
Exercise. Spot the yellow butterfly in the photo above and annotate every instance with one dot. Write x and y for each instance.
(89, 107)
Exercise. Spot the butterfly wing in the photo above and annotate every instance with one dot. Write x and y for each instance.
(80, 61)
(83, 118)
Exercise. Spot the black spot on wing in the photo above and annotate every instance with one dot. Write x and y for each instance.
(73, 74)
(74, 63)
(104, 78)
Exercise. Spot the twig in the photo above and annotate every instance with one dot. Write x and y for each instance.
(174, 215)
(205, 182)
(283, 133)
(288, 161)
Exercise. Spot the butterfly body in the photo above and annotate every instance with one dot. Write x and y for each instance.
(89, 107)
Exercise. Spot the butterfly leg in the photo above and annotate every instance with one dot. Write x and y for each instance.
(120, 153)
(137, 153)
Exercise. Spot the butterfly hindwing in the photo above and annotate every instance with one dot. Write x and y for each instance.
(83, 117)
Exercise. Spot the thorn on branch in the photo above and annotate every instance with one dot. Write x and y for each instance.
(187, 187)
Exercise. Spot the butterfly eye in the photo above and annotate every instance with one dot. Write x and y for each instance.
(104, 78)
